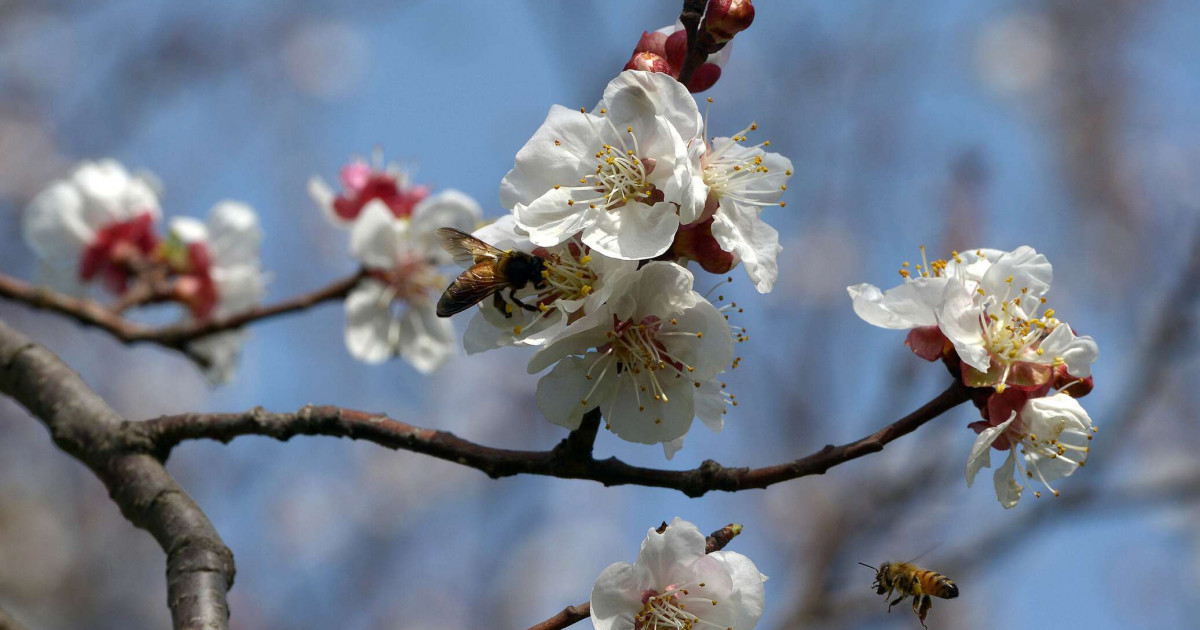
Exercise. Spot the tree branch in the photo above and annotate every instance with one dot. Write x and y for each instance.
(693, 11)
(200, 567)
(175, 337)
(571, 615)
(164, 433)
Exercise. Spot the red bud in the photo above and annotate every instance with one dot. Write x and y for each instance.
(725, 18)
(649, 62)
(704, 77)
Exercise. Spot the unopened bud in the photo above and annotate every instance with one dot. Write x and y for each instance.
(649, 62)
(675, 48)
(725, 18)
(652, 43)
(704, 77)
(696, 242)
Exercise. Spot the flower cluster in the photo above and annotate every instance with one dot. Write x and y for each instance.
(99, 225)
(392, 225)
(674, 584)
(615, 202)
(984, 314)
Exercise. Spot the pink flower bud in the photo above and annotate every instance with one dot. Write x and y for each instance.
(928, 342)
(704, 77)
(696, 242)
(649, 62)
(725, 18)
(652, 43)
(675, 49)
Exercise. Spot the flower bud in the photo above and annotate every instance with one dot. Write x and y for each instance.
(725, 18)
(704, 77)
(675, 49)
(652, 43)
(696, 242)
(649, 62)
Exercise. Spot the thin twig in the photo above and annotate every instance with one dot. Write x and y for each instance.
(165, 432)
(571, 615)
(176, 337)
(693, 10)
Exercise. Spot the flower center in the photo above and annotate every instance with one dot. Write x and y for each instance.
(362, 185)
(621, 176)
(670, 609)
(638, 350)
(1034, 449)
(735, 177)
(117, 250)
(410, 280)
(567, 277)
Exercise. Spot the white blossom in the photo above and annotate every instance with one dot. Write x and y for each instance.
(219, 269)
(1052, 433)
(576, 281)
(623, 177)
(392, 311)
(674, 584)
(90, 223)
(743, 180)
(641, 359)
(990, 305)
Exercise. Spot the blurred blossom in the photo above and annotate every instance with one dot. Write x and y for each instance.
(326, 59)
(1015, 54)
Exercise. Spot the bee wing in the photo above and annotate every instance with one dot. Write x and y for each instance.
(466, 249)
(469, 288)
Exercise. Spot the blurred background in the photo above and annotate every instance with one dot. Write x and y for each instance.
(1072, 127)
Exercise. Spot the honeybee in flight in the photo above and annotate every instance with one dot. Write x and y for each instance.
(909, 580)
(490, 270)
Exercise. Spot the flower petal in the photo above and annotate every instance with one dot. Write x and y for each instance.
(617, 596)
(748, 584)
(560, 394)
(636, 231)
(1008, 491)
(908, 305)
(1077, 353)
(425, 340)
(980, 456)
(449, 208)
(376, 239)
(739, 230)
(369, 322)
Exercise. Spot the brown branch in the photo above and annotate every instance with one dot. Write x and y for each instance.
(571, 615)
(162, 434)
(200, 567)
(693, 10)
(176, 337)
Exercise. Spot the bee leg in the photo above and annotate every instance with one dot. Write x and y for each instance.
(501, 305)
(926, 604)
(896, 601)
(512, 295)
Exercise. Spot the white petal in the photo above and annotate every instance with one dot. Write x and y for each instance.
(449, 208)
(560, 152)
(670, 447)
(222, 352)
(376, 239)
(637, 417)
(560, 394)
(739, 230)
(238, 288)
(324, 196)
(959, 317)
(748, 584)
(635, 231)
(663, 554)
(550, 220)
(189, 230)
(53, 225)
(635, 94)
(1077, 353)
(710, 405)
(980, 456)
(1026, 267)
(234, 234)
(425, 340)
(1008, 491)
(617, 596)
(503, 233)
(368, 322)
(589, 332)
(907, 305)
(710, 353)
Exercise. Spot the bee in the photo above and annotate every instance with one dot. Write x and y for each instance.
(490, 270)
(908, 579)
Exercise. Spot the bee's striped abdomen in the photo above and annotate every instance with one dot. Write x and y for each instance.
(936, 584)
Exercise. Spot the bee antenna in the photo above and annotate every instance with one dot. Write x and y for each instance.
(868, 566)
